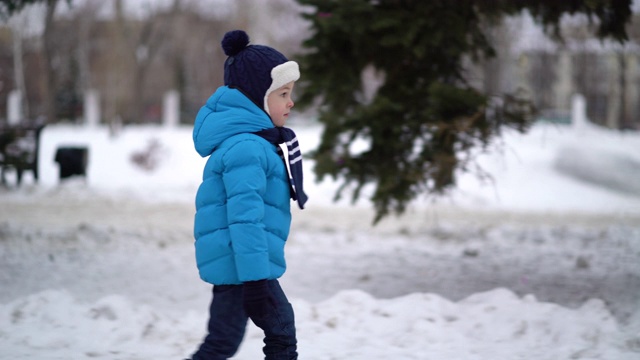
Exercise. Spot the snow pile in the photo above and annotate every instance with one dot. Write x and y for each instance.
(556, 168)
(601, 167)
(494, 324)
(350, 325)
(53, 325)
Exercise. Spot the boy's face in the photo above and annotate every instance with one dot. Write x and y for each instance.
(280, 103)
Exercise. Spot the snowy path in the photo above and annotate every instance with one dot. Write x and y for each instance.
(87, 242)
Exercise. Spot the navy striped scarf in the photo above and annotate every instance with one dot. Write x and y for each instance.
(277, 136)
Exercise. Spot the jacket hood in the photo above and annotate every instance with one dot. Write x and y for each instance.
(227, 112)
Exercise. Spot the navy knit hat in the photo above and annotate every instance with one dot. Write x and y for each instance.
(257, 70)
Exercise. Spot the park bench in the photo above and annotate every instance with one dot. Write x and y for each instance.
(19, 145)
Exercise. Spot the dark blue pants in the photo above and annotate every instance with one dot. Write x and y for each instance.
(228, 321)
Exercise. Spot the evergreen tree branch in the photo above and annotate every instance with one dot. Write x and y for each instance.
(424, 119)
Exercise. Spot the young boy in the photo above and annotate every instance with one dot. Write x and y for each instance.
(242, 206)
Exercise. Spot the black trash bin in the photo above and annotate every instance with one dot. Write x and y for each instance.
(72, 161)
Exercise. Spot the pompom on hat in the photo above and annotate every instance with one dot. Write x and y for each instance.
(256, 70)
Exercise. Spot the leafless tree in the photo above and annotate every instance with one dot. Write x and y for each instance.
(132, 59)
(48, 51)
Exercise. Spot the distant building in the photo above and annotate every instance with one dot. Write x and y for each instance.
(608, 77)
(550, 72)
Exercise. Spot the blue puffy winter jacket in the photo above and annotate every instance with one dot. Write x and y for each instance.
(243, 212)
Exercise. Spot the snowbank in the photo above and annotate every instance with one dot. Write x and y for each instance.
(351, 325)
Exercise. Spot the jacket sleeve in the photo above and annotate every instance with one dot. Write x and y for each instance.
(245, 182)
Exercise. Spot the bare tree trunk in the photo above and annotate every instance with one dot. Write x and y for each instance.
(86, 21)
(121, 53)
(144, 48)
(18, 65)
(47, 54)
(623, 119)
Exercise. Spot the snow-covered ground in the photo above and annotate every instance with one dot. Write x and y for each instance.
(541, 262)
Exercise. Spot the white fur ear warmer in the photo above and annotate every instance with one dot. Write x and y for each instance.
(281, 75)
